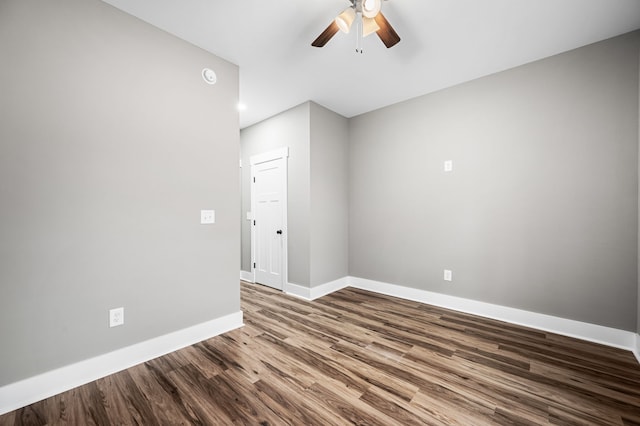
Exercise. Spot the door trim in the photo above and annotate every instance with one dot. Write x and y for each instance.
(280, 153)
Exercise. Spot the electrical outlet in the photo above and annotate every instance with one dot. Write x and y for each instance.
(448, 166)
(207, 217)
(116, 317)
(448, 275)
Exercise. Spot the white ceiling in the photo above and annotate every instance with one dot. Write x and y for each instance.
(444, 42)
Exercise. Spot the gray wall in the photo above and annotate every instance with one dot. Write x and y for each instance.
(289, 128)
(541, 210)
(110, 144)
(329, 196)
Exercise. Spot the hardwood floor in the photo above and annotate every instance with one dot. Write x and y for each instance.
(355, 357)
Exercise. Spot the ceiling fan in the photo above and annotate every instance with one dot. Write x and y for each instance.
(369, 19)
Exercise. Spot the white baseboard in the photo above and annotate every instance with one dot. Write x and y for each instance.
(328, 288)
(298, 290)
(566, 327)
(636, 350)
(318, 291)
(246, 276)
(37, 388)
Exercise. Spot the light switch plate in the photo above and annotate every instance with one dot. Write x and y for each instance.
(207, 217)
(448, 166)
(448, 275)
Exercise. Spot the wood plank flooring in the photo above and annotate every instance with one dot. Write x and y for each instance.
(355, 357)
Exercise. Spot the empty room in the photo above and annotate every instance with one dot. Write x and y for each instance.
(319, 212)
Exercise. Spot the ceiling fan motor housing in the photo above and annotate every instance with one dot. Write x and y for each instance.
(370, 8)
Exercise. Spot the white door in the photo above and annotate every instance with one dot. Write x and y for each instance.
(269, 205)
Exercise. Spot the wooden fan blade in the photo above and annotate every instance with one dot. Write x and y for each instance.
(326, 35)
(387, 34)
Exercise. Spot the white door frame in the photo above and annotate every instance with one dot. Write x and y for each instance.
(263, 158)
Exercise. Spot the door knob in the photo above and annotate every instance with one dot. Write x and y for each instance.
(279, 232)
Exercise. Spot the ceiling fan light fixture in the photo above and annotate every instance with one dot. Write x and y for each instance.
(345, 19)
(369, 26)
(369, 20)
(370, 8)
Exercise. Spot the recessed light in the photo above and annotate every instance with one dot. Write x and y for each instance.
(241, 106)
(209, 76)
